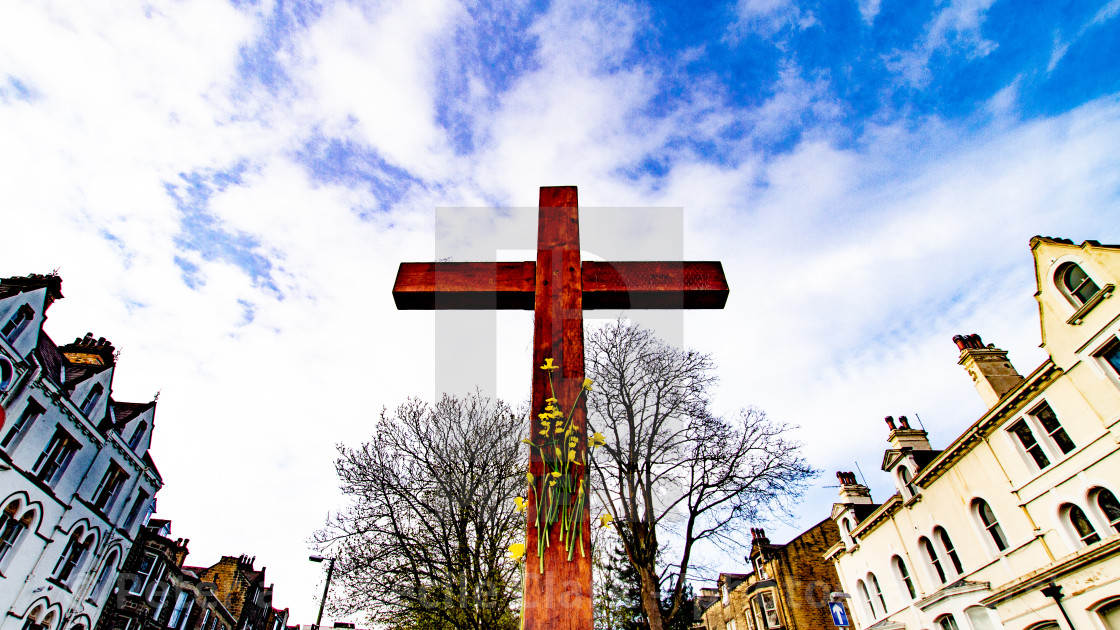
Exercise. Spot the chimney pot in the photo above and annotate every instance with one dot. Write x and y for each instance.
(890, 422)
(904, 422)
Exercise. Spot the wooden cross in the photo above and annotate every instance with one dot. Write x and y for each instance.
(558, 287)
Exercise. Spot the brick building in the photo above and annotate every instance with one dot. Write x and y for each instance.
(789, 587)
(76, 479)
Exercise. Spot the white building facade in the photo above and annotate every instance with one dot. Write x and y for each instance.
(76, 481)
(1016, 523)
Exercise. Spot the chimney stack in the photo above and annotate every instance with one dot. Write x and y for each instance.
(992, 374)
(851, 491)
(905, 437)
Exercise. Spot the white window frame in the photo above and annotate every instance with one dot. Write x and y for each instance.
(31, 413)
(177, 610)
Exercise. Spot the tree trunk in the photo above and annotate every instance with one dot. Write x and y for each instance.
(651, 597)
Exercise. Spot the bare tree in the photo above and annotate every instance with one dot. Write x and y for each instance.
(423, 543)
(669, 467)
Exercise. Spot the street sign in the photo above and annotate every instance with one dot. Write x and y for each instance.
(839, 615)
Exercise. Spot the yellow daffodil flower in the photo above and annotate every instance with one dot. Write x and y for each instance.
(517, 551)
(571, 456)
(605, 520)
(597, 440)
(529, 477)
(587, 384)
(558, 454)
(555, 473)
(527, 441)
(548, 365)
(550, 401)
(521, 504)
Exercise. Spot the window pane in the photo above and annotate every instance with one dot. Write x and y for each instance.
(1111, 508)
(1110, 615)
(1084, 528)
(989, 519)
(1111, 355)
(927, 546)
(948, 544)
(1054, 428)
(947, 623)
(1026, 438)
(900, 566)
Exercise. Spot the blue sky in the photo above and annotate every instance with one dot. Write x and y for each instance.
(227, 189)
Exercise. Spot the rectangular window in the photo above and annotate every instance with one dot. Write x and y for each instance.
(56, 457)
(1030, 445)
(770, 606)
(177, 611)
(731, 625)
(161, 591)
(141, 499)
(1110, 354)
(1053, 428)
(30, 414)
(17, 323)
(143, 574)
(106, 494)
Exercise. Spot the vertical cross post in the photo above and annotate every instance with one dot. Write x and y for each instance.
(560, 597)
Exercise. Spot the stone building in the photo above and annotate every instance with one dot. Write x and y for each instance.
(242, 589)
(789, 587)
(1015, 523)
(157, 590)
(76, 479)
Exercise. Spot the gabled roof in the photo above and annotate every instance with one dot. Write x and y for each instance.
(22, 284)
(50, 359)
(78, 372)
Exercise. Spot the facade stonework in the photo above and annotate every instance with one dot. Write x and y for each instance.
(789, 587)
(1015, 523)
(76, 479)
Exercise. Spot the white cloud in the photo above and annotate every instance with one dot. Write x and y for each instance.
(851, 267)
(954, 30)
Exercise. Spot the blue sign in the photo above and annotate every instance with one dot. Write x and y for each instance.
(839, 615)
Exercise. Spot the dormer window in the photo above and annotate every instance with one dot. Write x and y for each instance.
(23, 315)
(905, 477)
(1076, 284)
(134, 441)
(91, 398)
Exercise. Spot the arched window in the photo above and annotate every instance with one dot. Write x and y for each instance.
(5, 374)
(865, 599)
(991, 525)
(91, 398)
(931, 555)
(949, 550)
(946, 622)
(1110, 615)
(107, 571)
(1081, 525)
(31, 622)
(904, 575)
(12, 526)
(1076, 284)
(979, 618)
(70, 562)
(877, 592)
(905, 477)
(137, 434)
(1110, 507)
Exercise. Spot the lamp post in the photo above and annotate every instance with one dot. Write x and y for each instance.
(330, 571)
